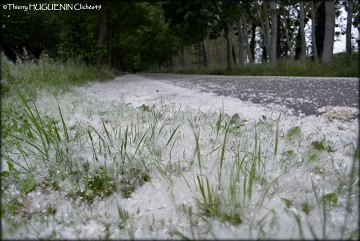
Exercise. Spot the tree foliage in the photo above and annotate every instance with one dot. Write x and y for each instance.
(30, 31)
(138, 35)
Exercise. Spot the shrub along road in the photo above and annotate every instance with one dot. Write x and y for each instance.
(301, 95)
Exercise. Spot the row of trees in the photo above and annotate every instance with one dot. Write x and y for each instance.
(138, 35)
(119, 34)
(276, 27)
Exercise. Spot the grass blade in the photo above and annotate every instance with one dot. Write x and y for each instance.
(63, 123)
(222, 155)
(173, 133)
(277, 137)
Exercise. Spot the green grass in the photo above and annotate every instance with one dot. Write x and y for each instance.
(342, 66)
(31, 76)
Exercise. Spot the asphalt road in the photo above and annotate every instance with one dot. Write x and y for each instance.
(302, 95)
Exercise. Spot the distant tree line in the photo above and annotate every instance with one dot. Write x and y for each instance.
(139, 35)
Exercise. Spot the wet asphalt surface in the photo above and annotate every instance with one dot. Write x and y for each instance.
(301, 95)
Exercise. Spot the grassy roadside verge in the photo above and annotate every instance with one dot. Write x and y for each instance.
(342, 66)
(30, 76)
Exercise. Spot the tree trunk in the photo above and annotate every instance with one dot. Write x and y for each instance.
(198, 54)
(348, 26)
(265, 28)
(264, 54)
(110, 49)
(218, 52)
(273, 39)
(203, 49)
(241, 44)
(228, 52)
(102, 31)
(329, 32)
(313, 38)
(181, 57)
(233, 53)
(302, 33)
(183, 61)
(288, 45)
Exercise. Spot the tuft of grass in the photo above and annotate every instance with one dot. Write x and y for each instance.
(46, 73)
(100, 183)
(227, 198)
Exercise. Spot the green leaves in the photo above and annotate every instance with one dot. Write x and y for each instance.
(6, 172)
(318, 145)
(330, 199)
(145, 108)
(288, 153)
(305, 207)
(288, 203)
(28, 184)
(295, 131)
(235, 118)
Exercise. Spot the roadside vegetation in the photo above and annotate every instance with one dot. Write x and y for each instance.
(33, 75)
(341, 66)
(232, 167)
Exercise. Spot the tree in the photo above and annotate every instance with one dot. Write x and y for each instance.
(302, 33)
(78, 35)
(320, 26)
(191, 20)
(288, 19)
(124, 42)
(224, 14)
(329, 32)
(157, 42)
(102, 30)
(28, 33)
(273, 40)
(241, 43)
(198, 19)
(264, 16)
(218, 52)
(349, 10)
(246, 17)
(253, 11)
(313, 33)
(189, 17)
